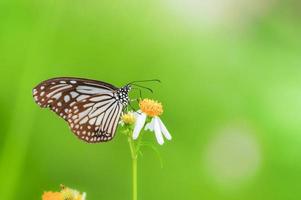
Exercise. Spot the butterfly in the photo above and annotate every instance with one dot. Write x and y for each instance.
(92, 108)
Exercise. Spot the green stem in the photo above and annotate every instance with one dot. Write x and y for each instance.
(134, 166)
(134, 163)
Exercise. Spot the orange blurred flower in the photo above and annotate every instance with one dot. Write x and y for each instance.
(65, 194)
(52, 196)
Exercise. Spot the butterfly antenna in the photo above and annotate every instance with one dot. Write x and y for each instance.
(143, 87)
(150, 80)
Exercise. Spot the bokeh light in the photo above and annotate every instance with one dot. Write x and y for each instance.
(210, 13)
(233, 155)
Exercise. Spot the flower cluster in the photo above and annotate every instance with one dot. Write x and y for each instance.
(146, 118)
(65, 194)
(152, 109)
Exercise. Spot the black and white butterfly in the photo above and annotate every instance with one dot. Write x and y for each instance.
(92, 108)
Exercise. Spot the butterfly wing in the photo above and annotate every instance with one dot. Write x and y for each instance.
(81, 102)
(95, 119)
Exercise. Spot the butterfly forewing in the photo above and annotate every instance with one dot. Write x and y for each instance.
(89, 106)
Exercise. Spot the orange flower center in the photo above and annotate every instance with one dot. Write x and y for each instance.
(151, 107)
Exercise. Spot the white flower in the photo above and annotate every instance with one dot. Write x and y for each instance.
(153, 109)
(158, 127)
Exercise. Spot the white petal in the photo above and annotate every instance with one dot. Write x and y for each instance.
(158, 133)
(164, 130)
(150, 125)
(140, 120)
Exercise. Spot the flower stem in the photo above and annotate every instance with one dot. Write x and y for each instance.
(134, 163)
(134, 166)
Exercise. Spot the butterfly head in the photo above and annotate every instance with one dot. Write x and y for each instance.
(122, 95)
(127, 88)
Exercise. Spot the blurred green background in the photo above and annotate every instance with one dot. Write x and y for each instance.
(230, 74)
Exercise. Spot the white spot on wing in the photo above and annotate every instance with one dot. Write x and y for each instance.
(74, 94)
(57, 86)
(57, 96)
(88, 105)
(58, 90)
(92, 121)
(66, 98)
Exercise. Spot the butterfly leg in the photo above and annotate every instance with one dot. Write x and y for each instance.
(136, 111)
(132, 106)
(140, 93)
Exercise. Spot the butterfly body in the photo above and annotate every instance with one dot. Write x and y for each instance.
(122, 95)
(92, 108)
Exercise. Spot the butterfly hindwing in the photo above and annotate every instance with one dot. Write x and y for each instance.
(95, 119)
